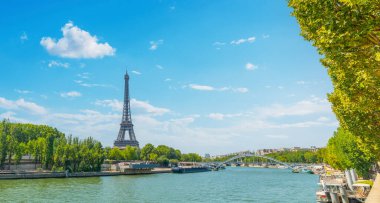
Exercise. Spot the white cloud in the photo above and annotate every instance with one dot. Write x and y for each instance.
(70, 94)
(159, 67)
(216, 116)
(251, 39)
(250, 66)
(243, 40)
(265, 36)
(219, 44)
(221, 116)
(114, 104)
(277, 136)
(168, 79)
(117, 105)
(181, 122)
(12, 117)
(84, 75)
(8, 114)
(76, 43)
(23, 37)
(323, 119)
(53, 63)
(239, 41)
(83, 84)
(148, 107)
(241, 90)
(301, 82)
(280, 87)
(136, 72)
(85, 121)
(201, 87)
(304, 107)
(23, 91)
(221, 89)
(22, 104)
(154, 44)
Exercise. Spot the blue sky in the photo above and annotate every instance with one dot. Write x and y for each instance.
(206, 76)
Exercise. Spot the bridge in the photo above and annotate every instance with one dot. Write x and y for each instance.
(255, 155)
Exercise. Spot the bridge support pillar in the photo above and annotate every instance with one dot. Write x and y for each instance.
(334, 197)
(343, 194)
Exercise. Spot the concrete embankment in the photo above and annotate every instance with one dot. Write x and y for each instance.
(374, 194)
(37, 175)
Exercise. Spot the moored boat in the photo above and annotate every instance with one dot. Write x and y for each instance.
(190, 169)
(304, 170)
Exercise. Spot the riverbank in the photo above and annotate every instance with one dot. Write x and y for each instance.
(6, 175)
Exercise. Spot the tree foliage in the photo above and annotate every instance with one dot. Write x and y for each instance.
(300, 156)
(344, 152)
(347, 34)
(48, 147)
(164, 155)
(52, 150)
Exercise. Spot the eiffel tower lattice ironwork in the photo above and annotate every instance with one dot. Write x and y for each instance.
(126, 125)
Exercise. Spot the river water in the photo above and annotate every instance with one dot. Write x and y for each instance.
(230, 185)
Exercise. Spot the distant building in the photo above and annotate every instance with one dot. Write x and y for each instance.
(295, 149)
(266, 151)
(284, 149)
(314, 149)
(207, 156)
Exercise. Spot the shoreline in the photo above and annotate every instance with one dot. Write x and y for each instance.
(41, 175)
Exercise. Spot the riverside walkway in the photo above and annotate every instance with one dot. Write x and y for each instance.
(374, 194)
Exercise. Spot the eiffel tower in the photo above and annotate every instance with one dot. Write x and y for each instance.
(126, 121)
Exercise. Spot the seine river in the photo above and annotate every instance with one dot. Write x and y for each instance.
(230, 185)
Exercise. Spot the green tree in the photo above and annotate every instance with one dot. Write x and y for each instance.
(146, 151)
(163, 160)
(178, 154)
(173, 162)
(12, 146)
(131, 153)
(48, 150)
(107, 152)
(193, 157)
(98, 156)
(347, 34)
(321, 154)
(5, 131)
(310, 157)
(153, 156)
(344, 152)
(19, 151)
(32, 150)
(163, 150)
(116, 154)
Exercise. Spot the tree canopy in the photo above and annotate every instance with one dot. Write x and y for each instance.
(344, 152)
(347, 35)
(48, 147)
(52, 150)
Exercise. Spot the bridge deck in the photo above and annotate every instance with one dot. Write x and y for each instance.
(255, 155)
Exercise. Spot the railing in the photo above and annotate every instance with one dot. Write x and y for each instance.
(254, 155)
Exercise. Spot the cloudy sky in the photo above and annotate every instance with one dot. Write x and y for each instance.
(205, 76)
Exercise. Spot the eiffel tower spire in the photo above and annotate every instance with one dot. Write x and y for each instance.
(126, 125)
